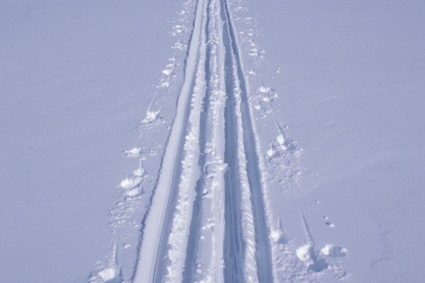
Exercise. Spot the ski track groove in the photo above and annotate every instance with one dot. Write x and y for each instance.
(207, 220)
(153, 243)
(262, 242)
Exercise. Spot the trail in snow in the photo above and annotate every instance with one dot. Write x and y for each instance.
(207, 220)
(159, 218)
(253, 214)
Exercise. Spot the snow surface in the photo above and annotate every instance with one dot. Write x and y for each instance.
(212, 140)
(349, 75)
(75, 80)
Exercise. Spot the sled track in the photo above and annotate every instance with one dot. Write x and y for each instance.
(207, 217)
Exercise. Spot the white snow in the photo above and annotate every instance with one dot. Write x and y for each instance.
(159, 215)
(152, 116)
(333, 251)
(108, 274)
(280, 139)
(133, 153)
(139, 172)
(277, 235)
(264, 89)
(129, 183)
(304, 253)
(75, 77)
(221, 179)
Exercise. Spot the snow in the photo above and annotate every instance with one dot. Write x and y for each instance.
(350, 94)
(333, 251)
(211, 141)
(108, 274)
(130, 183)
(135, 152)
(304, 252)
(75, 79)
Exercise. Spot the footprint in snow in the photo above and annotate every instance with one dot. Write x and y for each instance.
(318, 260)
(328, 223)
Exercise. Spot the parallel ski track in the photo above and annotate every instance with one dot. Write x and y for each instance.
(211, 150)
(158, 222)
(193, 239)
(262, 248)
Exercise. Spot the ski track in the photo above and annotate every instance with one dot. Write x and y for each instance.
(207, 221)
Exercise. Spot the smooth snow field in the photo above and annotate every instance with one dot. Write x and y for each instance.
(212, 141)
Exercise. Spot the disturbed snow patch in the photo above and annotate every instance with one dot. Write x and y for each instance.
(333, 251)
(111, 273)
(319, 260)
(133, 153)
(151, 116)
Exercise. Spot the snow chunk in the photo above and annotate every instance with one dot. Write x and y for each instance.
(164, 84)
(267, 99)
(313, 261)
(139, 172)
(129, 183)
(280, 139)
(271, 151)
(151, 116)
(133, 192)
(108, 274)
(264, 89)
(167, 72)
(333, 251)
(304, 253)
(178, 29)
(133, 153)
(277, 236)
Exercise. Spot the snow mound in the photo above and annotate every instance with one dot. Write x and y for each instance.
(304, 253)
(311, 259)
(277, 236)
(140, 172)
(333, 251)
(131, 182)
(264, 89)
(109, 274)
(134, 192)
(151, 116)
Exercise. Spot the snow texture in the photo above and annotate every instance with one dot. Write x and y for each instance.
(230, 141)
